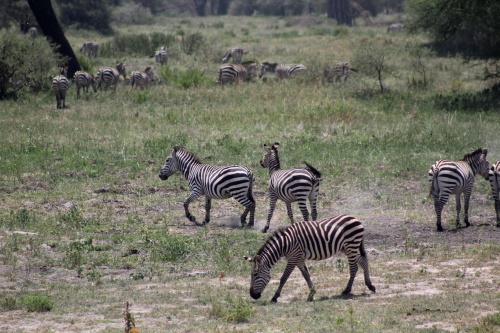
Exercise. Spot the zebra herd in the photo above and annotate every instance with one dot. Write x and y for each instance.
(316, 239)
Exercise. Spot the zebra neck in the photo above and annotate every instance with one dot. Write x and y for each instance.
(274, 249)
(186, 168)
(473, 164)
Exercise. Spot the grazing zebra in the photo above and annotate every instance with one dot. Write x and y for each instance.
(33, 32)
(60, 86)
(494, 176)
(110, 76)
(456, 177)
(290, 185)
(142, 79)
(90, 49)
(395, 27)
(236, 73)
(313, 240)
(84, 80)
(236, 53)
(281, 71)
(340, 70)
(214, 182)
(161, 56)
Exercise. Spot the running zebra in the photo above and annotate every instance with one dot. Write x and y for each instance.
(494, 176)
(290, 185)
(90, 49)
(142, 79)
(281, 71)
(313, 240)
(110, 76)
(236, 73)
(213, 182)
(60, 86)
(236, 53)
(456, 177)
(84, 80)
(161, 56)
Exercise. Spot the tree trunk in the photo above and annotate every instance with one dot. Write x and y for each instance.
(339, 10)
(223, 7)
(47, 20)
(200, 6)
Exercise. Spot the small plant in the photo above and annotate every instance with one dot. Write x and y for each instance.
(192, 43)
(37, 303)
(129, 320)
(232, 309)
(72, 218)
(9, 303)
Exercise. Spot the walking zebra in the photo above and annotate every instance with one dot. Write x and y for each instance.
(456, 177)
(290, 185)
(142, 79)
(214, 182)
(236, 73)
(84, 80)
(90, 49)
(340, 70)
(110, 76)
(60, 86)
(161, 56)
(281, 71)
(494, 176)
(313, 240)
(395, 27)
(236, 53)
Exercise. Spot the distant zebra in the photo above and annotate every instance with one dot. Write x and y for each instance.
(340, 70)
(142, 79)
(33, 32)
(456, 177)
(281, 71)
(290, 185)
(236, 73)
(60, 86)
(84, 80)
(395, 27)
(494, 176)
(110, 76)
(236, 53)
(310, 240)
(90, 49)
(213, 182)
(161, 56)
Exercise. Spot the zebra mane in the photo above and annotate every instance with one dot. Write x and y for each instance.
(188, 153)
(271, 65)
(474, 153)
(313, 170)
(248, 62)
(277, 233)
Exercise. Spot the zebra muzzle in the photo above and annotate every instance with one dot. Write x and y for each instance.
(163, 177)
(254, 295)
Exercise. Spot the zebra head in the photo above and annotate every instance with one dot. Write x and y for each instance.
(260, 277)
(267, 67)
(251, 67)
(484, 166)
(121, 70)
(171, 165)
(270, 158)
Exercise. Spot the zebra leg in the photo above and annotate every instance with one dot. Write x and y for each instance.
(314, 211)
(208, 206)
(186, 206)
(286, 274)
(363, 262)
(459, 208)
(272, 206)
(353, 269)
(289, 211)
(438, 207)
(248, 208)
(305, 273)
(466, 208)
(77, 92)
(497, 210)
(303, 209)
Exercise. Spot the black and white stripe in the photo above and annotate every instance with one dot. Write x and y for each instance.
(236, 73)
(161, 56)
(60, 86)
(494, 176)
(90, 49)
(236, 53)
(110, 76)
(142, 79)
(213, 182)
(341, 70)
(290, 185)
(310, 240)
(456, 177)
(282, 71)
(84, 80)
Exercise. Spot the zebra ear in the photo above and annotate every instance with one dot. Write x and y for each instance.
(485, 152)
(276, 145)
(249, 259)
(266, 147)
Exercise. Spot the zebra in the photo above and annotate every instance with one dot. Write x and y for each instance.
(290, 185)
(236, 73)
(161, 56)
(60, 86)
(395, 27)
(313, 240)
(84, 80)
(110, 75)
(33, 32)
(281, 71)
(236, 53)
(494, 176)
(214, 182)
(340, 70)
(142, 79)
(90, 49)
(456, 177)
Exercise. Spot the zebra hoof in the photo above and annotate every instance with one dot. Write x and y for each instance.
(372, 288)
(264, 230)
(440, 229)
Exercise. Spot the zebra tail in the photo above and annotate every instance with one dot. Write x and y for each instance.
(434, 183)
(362, 250)
(314, 171)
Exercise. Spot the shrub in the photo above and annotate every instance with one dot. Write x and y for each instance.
(86, 14)
(37, 303)
(191, 77)
(192, 43)
(232, 309)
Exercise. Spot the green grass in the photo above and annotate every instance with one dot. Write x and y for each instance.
(86, 224)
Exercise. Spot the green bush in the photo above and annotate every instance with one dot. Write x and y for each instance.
(191, 77)
(37, 303)
(193, 42)
(232, 309)
(136, 44)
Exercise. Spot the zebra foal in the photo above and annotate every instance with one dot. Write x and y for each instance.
(161, 56)
(60, 86)
(282, 71)
(237, 73)
(236, 53)
(456, 177)
(310, 240)
(494, 177)
(213, 182)
(290, 185)
(84, 80)
(142, 79)
(110, 76)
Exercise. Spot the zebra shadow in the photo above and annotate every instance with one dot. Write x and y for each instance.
(343, 297)
(461, 228)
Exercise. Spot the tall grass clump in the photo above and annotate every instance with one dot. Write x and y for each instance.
(232, 308)
(191, 77)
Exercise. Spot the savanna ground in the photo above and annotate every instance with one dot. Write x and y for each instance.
(87, 225)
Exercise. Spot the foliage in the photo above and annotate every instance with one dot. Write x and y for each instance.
(232, 309)
(370, 57)
(37, 303)
(136, 44)
(132, 14)
(192, 42)
(86, 14)
(192, 77)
